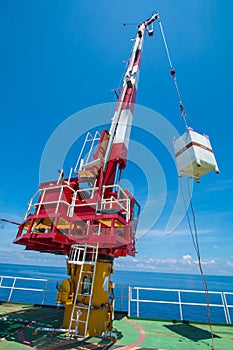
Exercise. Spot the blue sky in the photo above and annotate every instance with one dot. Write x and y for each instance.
(59, 57)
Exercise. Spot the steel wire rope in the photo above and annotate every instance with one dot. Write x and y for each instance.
(195, 240)
(173, 73)
(200, 265)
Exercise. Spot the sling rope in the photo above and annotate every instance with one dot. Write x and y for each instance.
(194, 235)
(173, 74)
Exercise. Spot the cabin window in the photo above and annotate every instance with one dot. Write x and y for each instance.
(135, 216)
(86, 285)
(106, 280)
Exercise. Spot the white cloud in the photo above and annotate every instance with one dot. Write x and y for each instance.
(16, 254)
(185, 264)
(187, 258)
(208, 262)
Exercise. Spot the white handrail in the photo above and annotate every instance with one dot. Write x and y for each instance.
(224, 305)
(13, 286)
(227, 306)
(43, 191)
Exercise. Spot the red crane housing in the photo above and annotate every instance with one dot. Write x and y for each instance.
(91, 207)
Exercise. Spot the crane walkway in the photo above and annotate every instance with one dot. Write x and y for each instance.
(18, 323)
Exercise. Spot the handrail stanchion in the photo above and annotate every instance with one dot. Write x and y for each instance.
(137, 302)
(129, 299)
(45, 290)
(226, 309)
(12, 288)
(180, 305)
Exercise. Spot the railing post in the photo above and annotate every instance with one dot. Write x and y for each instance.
(12, 288)
(29, 208)
(129, 299)
(59, 200)
(225, 308)
(127, 209)
(81, 152)
(137, 302)
(72, 205)
(41, 201)
(70, 174)
(45, 289)
(60, 175)
(180, 305)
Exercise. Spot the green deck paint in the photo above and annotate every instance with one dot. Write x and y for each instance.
(160, 334)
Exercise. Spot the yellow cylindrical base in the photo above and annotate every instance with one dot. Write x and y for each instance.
(99, 317)
(97, 323)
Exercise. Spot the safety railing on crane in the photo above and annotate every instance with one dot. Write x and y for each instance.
(65, 200)
(118, 200)
(85, 155)
(87, 196)
(45, 197)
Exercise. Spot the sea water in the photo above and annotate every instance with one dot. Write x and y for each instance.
(50, 277)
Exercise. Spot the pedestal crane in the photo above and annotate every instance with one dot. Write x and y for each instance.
(89, 217)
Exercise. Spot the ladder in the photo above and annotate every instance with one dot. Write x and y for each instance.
(83, 255)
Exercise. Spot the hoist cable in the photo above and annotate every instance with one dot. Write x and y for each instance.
(173, 74)
(165, 43)
(194, 236)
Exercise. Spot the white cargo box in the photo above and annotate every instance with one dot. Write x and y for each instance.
(194, 155)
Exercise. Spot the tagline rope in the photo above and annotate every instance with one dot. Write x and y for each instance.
(194, 235)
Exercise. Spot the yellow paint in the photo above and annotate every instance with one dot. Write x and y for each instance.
(63, 224)
(108, 222)
(85, 173)
(65, 292)
(100, 317)
(38, 223)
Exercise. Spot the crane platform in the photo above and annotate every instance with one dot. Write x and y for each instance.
(18, 323)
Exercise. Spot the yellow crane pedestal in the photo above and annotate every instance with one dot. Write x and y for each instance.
(88, 294)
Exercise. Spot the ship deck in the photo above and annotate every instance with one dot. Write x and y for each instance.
(19, 321)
